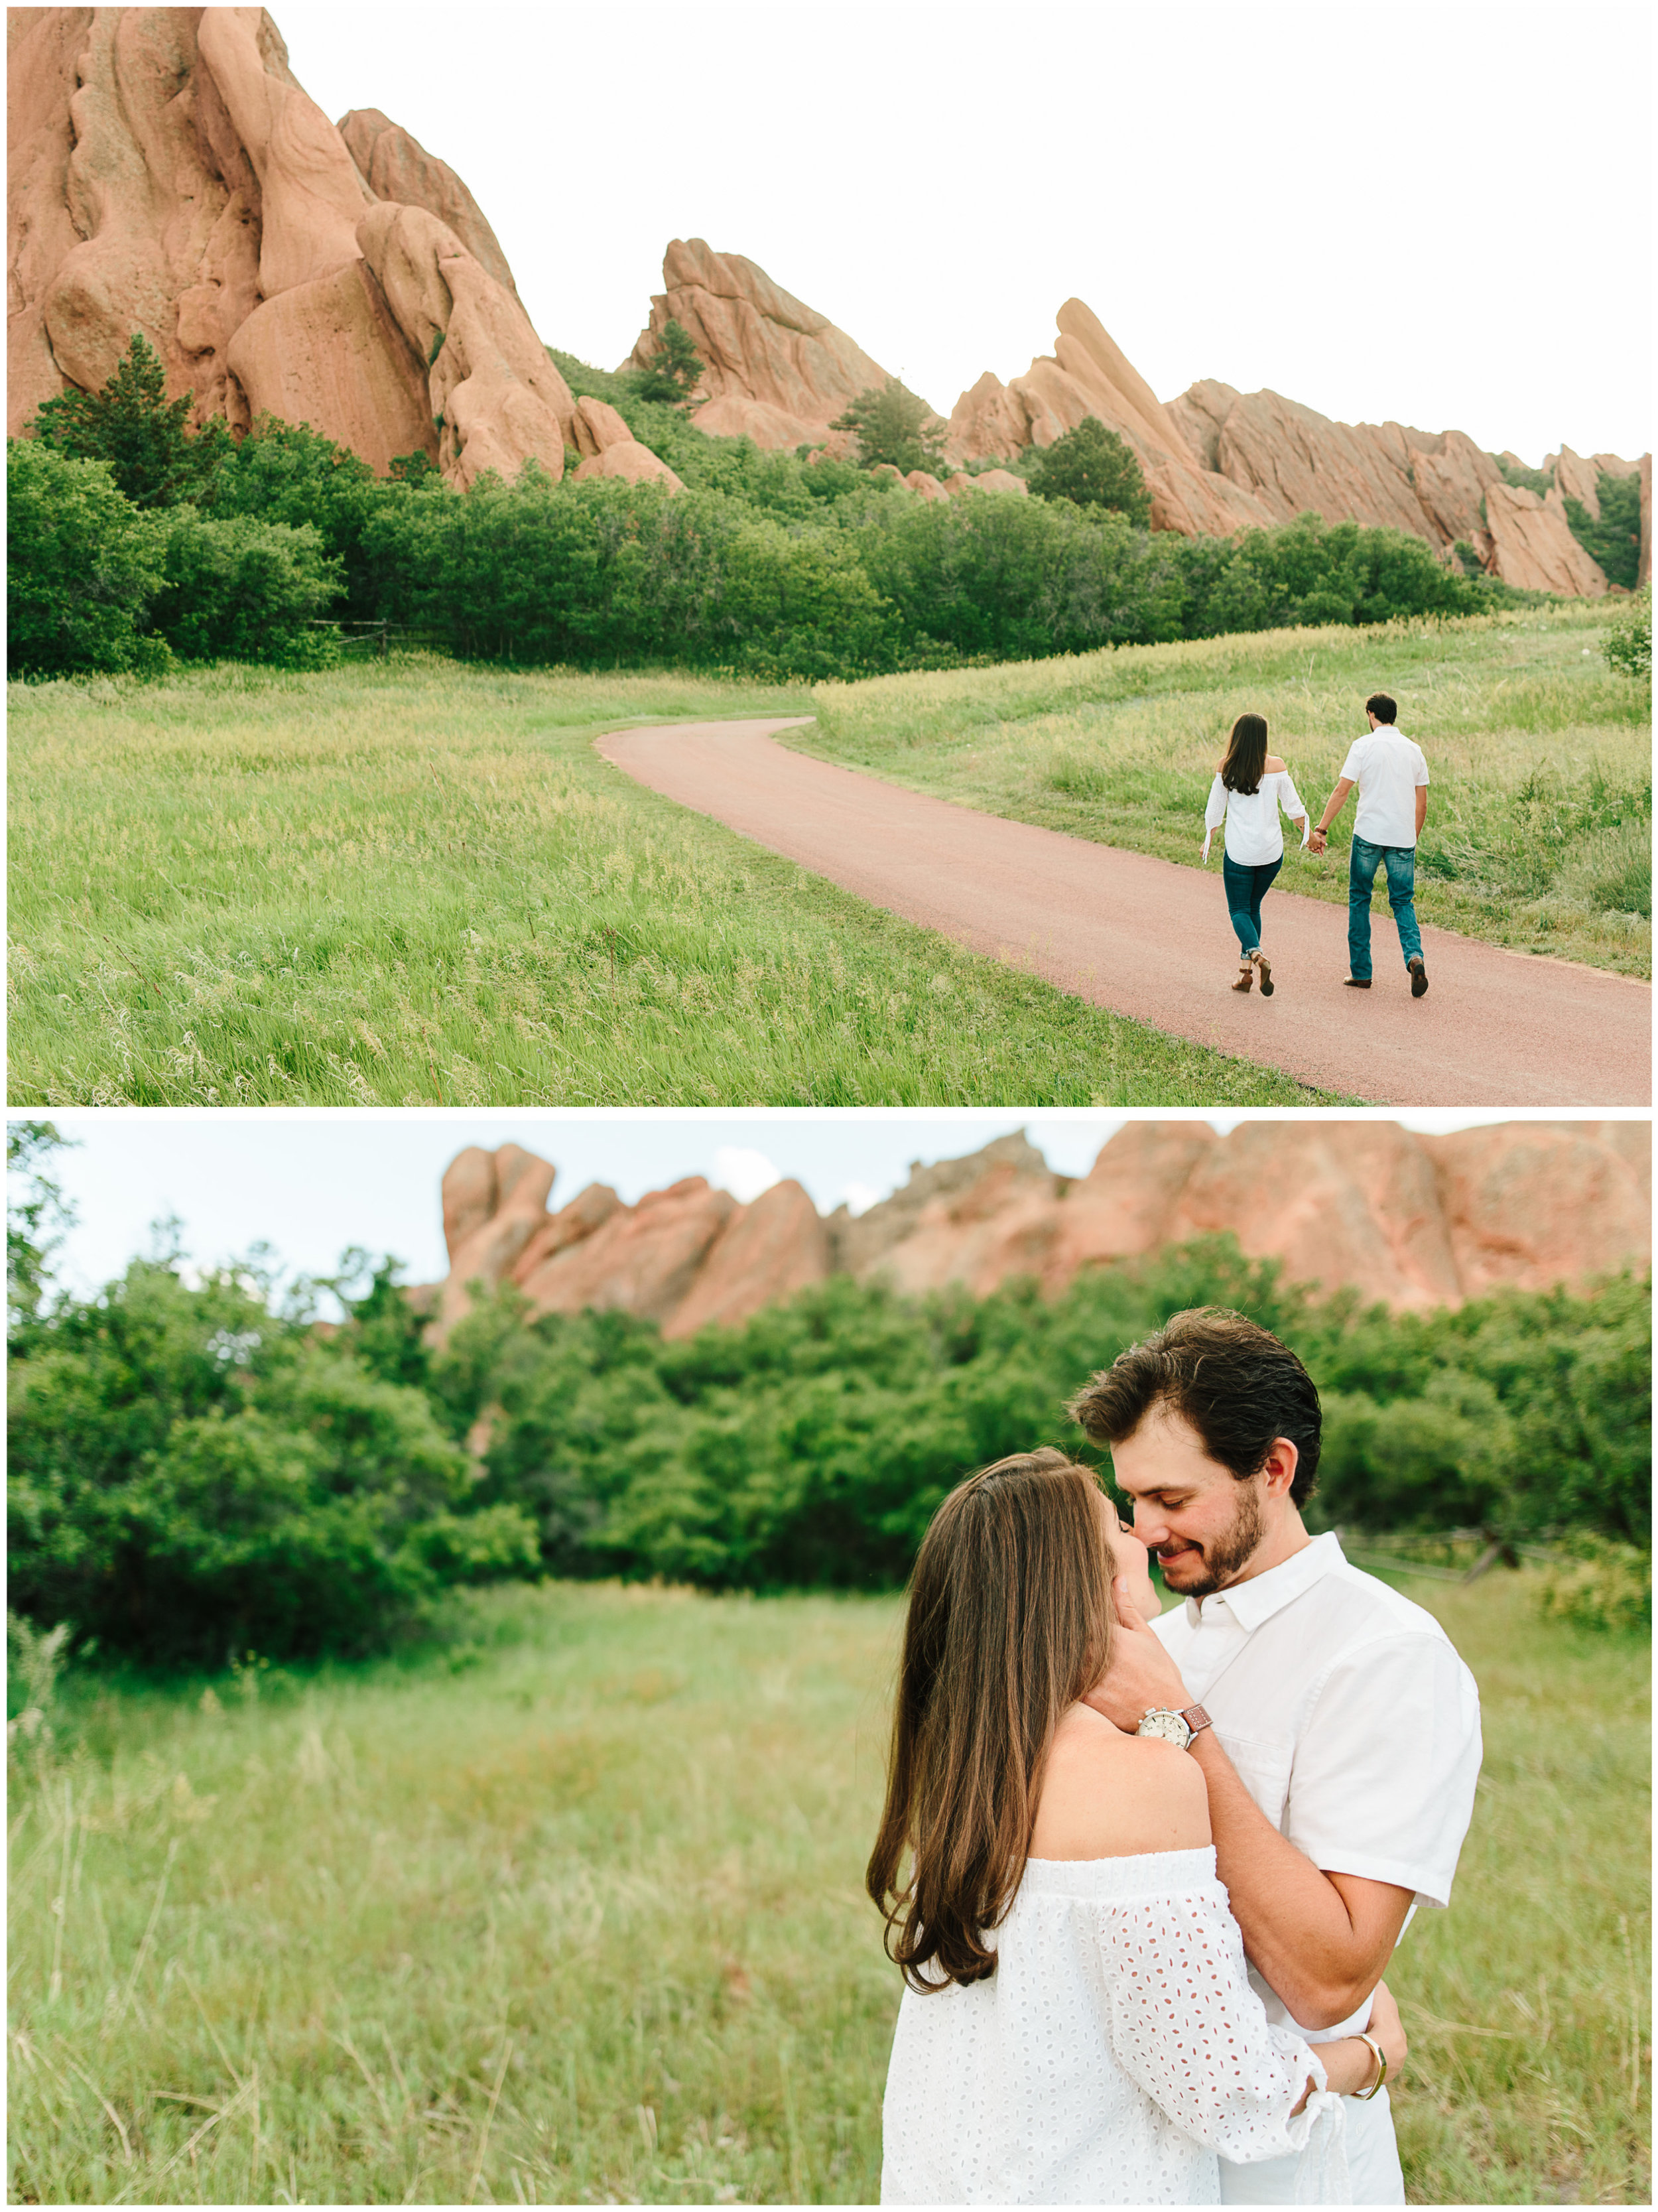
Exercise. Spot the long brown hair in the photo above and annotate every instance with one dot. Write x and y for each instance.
(1010, 1622)
(1246, 754)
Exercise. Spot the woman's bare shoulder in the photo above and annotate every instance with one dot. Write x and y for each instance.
(1106, 1795)
(1274, 765)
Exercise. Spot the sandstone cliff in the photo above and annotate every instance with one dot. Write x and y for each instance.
(1413, 1221)
(773, 369)
(1216, 460)
(167, 173)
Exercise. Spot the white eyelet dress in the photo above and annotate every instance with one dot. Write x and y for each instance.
(1117, 2053)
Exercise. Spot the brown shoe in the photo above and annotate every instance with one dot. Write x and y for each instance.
(1246, 977)
(1357, 982)
(1419, 976)
(1264, 966)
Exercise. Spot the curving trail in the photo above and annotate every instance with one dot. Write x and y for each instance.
(1145, 938)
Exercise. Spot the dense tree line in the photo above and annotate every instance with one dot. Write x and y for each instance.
(195, 1471)
(133, 540)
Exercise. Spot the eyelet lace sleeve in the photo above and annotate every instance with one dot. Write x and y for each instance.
(1185, 2026)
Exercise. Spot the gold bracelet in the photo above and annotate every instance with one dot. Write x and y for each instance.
(1365, 2095)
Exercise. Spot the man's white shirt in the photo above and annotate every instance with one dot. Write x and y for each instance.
(1388, 768)
(1355, 1728)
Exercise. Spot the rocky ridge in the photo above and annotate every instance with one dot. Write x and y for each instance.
(1413, 1221)
(167, 173)
(1216, 460)
(773, 369)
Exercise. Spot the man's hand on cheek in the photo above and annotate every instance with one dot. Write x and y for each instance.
(1141, 1674)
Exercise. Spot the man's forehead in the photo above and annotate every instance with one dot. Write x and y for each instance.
(1165, 1451)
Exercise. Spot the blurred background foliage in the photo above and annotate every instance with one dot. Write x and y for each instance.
(199, 1469)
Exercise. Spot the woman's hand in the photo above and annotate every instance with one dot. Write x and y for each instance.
(1132, 1576)
(1349, 2064)
(1387, 2028)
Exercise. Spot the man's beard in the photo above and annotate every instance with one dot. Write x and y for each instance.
(1223, 1556)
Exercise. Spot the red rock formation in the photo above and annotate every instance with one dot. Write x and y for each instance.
(1531, 1203)
(923, 480)
(493, 1203)
(395, 166)
(167, 173)
(1575, 478)
(643, 1258)
(1416, 1222)
(775, 369)
(1217, 460)
(1532, 546)
(767, 1251)
(1087, 374)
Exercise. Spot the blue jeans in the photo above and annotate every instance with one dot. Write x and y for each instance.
(1245, 889)
(1399, 861)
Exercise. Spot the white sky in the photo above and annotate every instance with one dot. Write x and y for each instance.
(1437, 214)
(310, 1183)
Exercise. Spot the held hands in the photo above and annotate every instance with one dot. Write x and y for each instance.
(1318, 840)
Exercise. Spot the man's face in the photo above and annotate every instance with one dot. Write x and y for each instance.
(1200, 1523)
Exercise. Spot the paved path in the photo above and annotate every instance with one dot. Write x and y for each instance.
(1145, 938)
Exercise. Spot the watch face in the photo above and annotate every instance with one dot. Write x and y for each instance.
(1170, 1726)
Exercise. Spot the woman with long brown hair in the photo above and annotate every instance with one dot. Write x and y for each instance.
(1077, 2024)
(1249, 787)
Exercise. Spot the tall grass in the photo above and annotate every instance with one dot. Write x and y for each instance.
(1539, 830)
(575, 1913)
(414, 883)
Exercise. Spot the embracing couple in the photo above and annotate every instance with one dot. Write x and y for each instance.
(1252, 787)
(1143, 1871)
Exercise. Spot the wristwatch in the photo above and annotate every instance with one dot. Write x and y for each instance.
(1177, 1728)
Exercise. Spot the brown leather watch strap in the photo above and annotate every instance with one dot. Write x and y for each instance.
(1196, 1718)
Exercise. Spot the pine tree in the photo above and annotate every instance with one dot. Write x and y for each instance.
(1091, 467)
(675, 369)
(154, 458)
(892, 425)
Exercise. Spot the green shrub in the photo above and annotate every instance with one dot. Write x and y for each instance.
(1310, 572)
(892, 426)
(192, 1476)
(82, 566)
(1522, 478)
(1606, 1587)
(1614, 539)
(153, 455)
(1629, 647)
(811, 1446)
(239, 588)
(1092, 466)
(286, 472)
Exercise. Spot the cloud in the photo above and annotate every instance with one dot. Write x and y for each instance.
(745, 1174)
(859, 1197)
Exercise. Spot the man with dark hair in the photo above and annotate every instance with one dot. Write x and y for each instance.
(1337, 1729)
(1392, 777)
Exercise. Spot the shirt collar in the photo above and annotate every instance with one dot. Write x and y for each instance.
(1257, 1600)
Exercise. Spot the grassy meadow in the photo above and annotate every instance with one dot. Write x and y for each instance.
(572, 1912)
(414, 883)
(1539, 829)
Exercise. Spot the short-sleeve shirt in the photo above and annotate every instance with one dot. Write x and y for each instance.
(1351, 1720)
(1387, 768)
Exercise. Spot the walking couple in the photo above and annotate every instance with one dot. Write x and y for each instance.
(1142, 1935)
(1250, 787)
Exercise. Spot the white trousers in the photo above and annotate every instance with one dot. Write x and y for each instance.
(1372, 2163)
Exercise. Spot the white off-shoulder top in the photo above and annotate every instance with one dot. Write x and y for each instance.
(1253, 837)
(1115, 2056)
